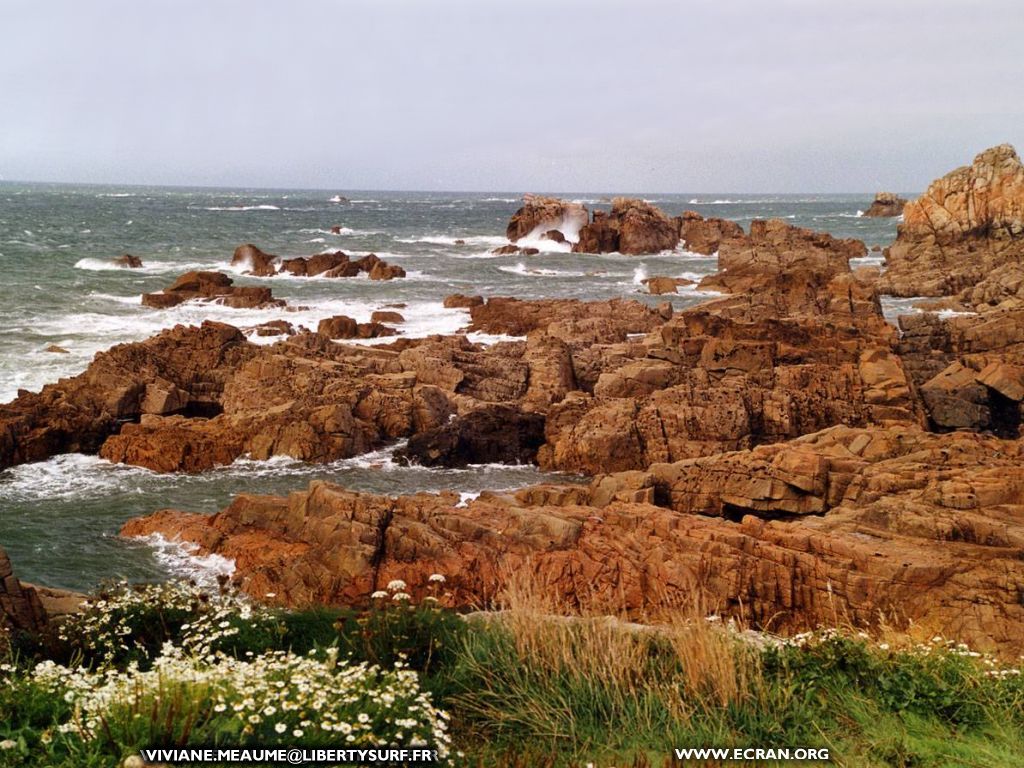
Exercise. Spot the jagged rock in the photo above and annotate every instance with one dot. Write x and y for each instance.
(20, 607)
(632, 227)
(774, 248)
(255, 261)
(493, 434)
(461, 301)
(886, 204)
(705, 236)
(275, 328)
(966, 225)
(127, 261)
(542, 214)
(342, 327)
(554, 235)
(866, 524)
(211, 286)
(609, 320)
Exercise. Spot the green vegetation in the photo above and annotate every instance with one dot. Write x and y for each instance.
(171, 664)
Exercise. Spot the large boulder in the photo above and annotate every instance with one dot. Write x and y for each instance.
(705, 236)
(539, 215)
(631, 227)
(254, 261)
(967, 224)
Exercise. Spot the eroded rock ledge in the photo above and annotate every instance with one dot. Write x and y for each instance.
(843, 525)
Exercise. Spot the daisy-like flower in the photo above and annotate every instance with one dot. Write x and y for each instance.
(280, 727)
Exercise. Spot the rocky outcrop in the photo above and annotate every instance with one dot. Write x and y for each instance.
(605, 320)
(496, 434)
(857, 525)
(20, 607)
(512, 250)
(885, 205)
(211, 286)
(705, 236)
(540, 214)
(254, 261)
(966, 225)
(461, 301)
(631, 227)
(968, 369)
(127, 261)
(775, 248)
(343, 327)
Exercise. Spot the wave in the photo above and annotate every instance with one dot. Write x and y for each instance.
(488, 240)
(181, 559)
(242, 208)
(522, 269)
(116, 194)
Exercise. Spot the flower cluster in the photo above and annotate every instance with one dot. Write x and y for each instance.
(128, 621)
(264, 698)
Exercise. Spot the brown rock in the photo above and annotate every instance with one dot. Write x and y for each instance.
(255, 261)
(461, 301)
(211, 286)
(705, 236)
(659, 285)
(632, 227)
(56, 349)
(488, 435)
(383, 271)
(966, 225)
(886, 204)
(553, 235)
(382, 316)
(338, 327)
(20, 607)
(127, 261)
(857, 523)
(543, 214)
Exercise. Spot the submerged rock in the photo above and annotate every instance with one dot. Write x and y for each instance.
(211, 286)
(127, 261)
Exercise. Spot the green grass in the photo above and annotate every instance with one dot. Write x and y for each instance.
(525, 689)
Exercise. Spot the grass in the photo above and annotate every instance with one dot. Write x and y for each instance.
(538, 685)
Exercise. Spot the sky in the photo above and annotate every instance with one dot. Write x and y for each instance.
(531, 95)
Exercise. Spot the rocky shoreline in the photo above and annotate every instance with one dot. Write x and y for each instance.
(782, 450)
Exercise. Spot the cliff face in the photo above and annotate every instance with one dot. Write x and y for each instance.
(968, 223)
(20, 608)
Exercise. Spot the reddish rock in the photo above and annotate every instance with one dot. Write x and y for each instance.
(659, 285)
(20, 607)
(275, 328)
(338, 327)
(461, 301)
(705, 236)
(127, 261)
(632, 227)
(211, 286)
(612, 320)
(554, 235)
(966, 225)
(543, 214)
(865, 524)
(383, 271)
(255, 261)
(383, 316)
(885, 205)
(488, 435)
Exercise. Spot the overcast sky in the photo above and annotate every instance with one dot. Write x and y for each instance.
(552, 95)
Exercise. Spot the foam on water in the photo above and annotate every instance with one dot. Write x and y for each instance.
(181, 559)
(241, 208)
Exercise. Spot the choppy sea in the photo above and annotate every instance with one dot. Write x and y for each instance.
(59, 518)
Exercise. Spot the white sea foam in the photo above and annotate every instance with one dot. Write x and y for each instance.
(116, 194)
(639, 275)
(467, 496)
(181, 558)
(66, 476)
(485, 240)
(242, 208)
(522, 269)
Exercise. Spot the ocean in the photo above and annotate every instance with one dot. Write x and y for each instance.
(59, 518)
